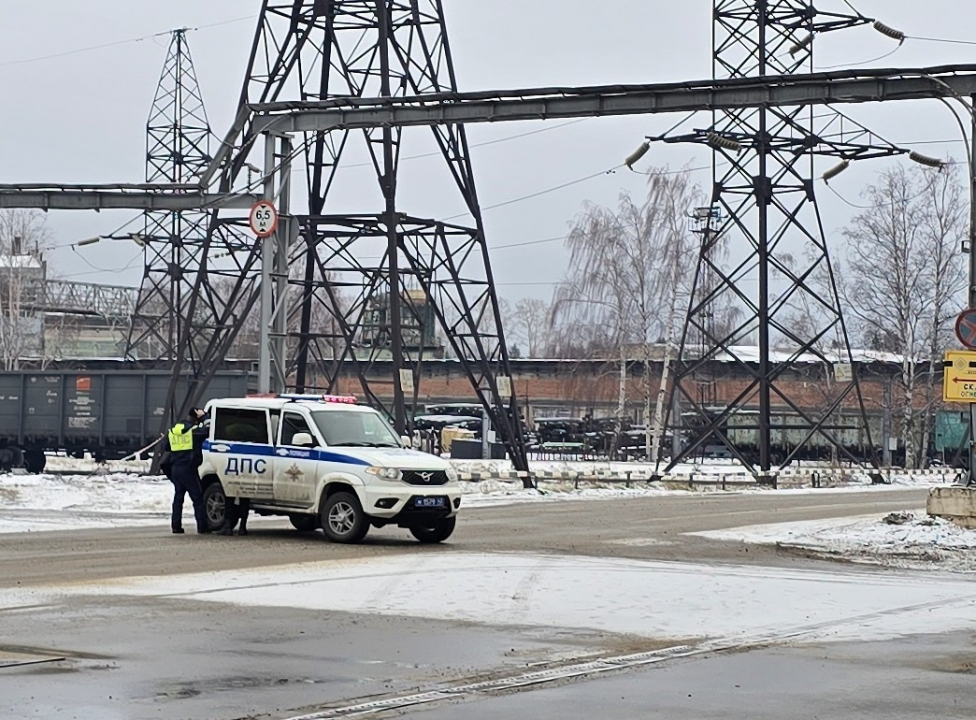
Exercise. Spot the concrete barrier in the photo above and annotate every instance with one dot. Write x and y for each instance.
(957, 504)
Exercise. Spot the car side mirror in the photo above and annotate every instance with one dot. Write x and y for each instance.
(303, 439)
(406, 441)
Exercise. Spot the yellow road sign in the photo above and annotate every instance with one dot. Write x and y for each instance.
(959, 381)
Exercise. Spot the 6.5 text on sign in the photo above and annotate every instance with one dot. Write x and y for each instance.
(264, 219)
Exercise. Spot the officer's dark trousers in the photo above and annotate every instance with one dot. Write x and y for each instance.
(187, 482)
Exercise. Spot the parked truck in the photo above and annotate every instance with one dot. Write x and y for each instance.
(108, 413)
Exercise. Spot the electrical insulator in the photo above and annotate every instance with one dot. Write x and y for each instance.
(836, 170)
(637, 154)
(801, 44)
(926, 160)
(719, 141)
(888, 31)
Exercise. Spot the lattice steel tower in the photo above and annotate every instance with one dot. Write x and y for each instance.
(369, 280)
(763, 193)
(178, 150)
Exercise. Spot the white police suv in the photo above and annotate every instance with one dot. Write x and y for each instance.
(324, 462)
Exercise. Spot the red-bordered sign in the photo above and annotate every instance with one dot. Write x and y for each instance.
(264, 218)
(966, 328)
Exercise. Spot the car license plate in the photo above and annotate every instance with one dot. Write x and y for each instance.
(428, 502)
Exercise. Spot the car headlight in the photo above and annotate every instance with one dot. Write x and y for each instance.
(385, 473)
(452, 474)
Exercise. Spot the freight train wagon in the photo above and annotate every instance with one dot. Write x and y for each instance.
(109, 414)
(790, 430)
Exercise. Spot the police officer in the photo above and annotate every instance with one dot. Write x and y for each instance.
(185, 444)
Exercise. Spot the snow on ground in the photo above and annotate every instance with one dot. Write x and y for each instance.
(69, 502)
(677, 601)
(66, 502)
(908, 540)
(32, 503)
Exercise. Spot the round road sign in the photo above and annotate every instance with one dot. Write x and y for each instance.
(966, 328)
(264, 218)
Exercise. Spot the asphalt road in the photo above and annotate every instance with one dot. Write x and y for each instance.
(168, 657)
(640, 528)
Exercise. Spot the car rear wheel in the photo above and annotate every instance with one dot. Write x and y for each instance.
(343, 519)
(439, 532)
(304, 523)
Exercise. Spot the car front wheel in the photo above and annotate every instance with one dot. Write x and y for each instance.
(343, 519)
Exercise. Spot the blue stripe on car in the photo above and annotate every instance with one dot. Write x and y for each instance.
(284, 452)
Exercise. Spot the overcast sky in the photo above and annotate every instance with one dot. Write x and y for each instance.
(81, 116)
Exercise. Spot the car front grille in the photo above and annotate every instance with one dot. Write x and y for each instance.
(425, 477)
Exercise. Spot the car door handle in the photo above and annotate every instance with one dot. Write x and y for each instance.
(220, 448)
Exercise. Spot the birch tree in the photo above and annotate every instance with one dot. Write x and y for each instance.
(529, 326)
(628, 269)
(905, 282)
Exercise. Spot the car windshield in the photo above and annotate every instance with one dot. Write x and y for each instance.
(349, 428)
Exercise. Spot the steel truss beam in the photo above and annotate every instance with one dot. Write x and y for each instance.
(73, 298)
(835, 88)
(155, 197)
(774, 90)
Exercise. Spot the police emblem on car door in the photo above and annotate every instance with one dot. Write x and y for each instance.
(296, 462)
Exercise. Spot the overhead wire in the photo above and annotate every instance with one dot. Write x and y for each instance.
(561, 186)
(854, 205)
(861, 62)
(117, 43)
(496, 141)
(542, 192)
(940, 40)
(96, 269)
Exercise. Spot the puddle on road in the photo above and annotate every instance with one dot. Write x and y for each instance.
(188, 690)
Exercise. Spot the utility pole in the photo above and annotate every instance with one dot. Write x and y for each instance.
(972, 272)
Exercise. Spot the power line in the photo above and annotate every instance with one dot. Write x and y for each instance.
(541, 192)
(561, 186)
(941, 40)
(529, 242)
(117, 43)
(861, 62)
(438, 153)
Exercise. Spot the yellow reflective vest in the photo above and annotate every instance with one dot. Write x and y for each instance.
(180, 438)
